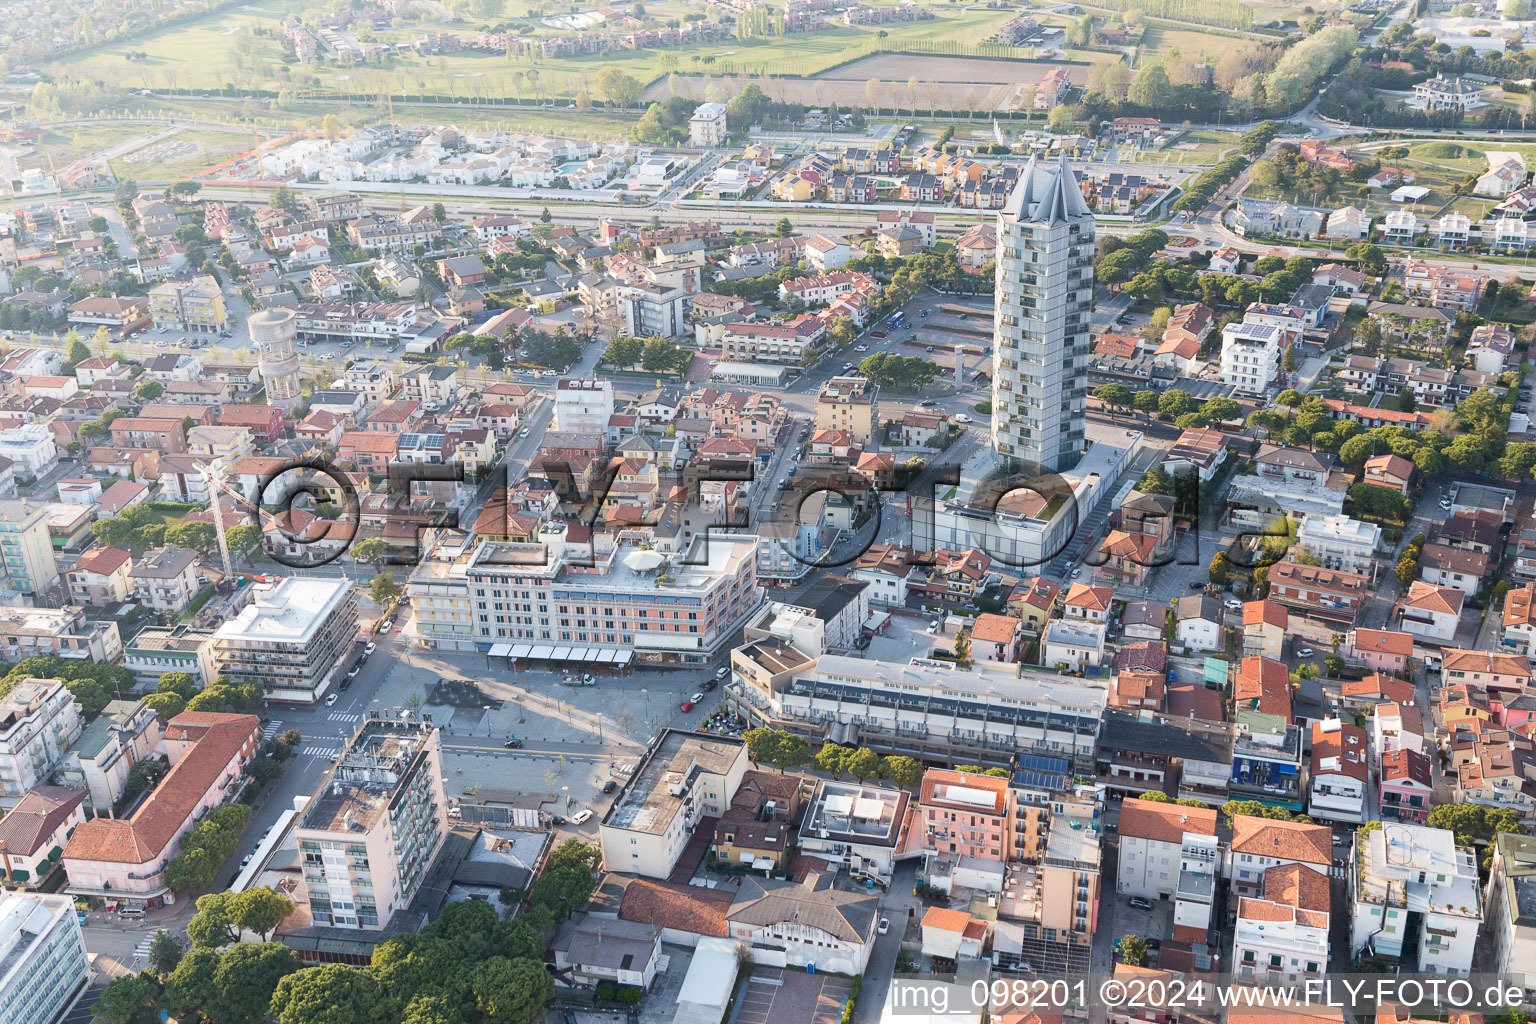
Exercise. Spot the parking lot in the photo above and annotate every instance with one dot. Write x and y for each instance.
(791, 997)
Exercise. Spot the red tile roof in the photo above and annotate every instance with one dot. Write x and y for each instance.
(158, 821)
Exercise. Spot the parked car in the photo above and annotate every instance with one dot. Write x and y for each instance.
(1141, 903)
(581, 816)
(610, 786)
(885, 925)
(369, 649)
(513, 745)
(1305, 652)
(687, 705)
(708, 685)
(332, 699)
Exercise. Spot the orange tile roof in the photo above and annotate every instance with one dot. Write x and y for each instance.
(1485, 662)
(1266, 612)
(945, 919)
(1086, 595)
(1384, 641)
(1344, 745)
(1440, 600)
(219, 739)
(1163, 822)
(690, 908)
(1263, 684)
(1283, 840)
(1298, 886)
(994, 628)
(936, 777)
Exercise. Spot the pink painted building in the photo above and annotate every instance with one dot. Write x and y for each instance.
(1380, 650)
(124, 859)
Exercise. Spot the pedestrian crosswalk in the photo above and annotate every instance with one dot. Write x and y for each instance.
(141, 951)
(274, 727)
(1336, 871)
(319, 750)
(342, 717)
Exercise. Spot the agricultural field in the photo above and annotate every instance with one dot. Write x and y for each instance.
(215, 53)
(973, 83)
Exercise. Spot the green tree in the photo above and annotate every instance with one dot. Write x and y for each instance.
(371, 550)
(246, 978)
(832, 759)
(190, 987)
(1150, 89)
(214, 924)
(329, 994)
(180, 683)
(129, 999)
(862, 764)
(1146, 402)
(1220, 569)
(1174, 403)
(165, 951)
(198, 536)
(384, 591)
(261, 910)
(512, 991)
(1133, 950)
(1116, 396)
(904, 771)
(243, 540)
(624, 352)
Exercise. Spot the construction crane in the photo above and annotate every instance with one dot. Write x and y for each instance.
(214, 474)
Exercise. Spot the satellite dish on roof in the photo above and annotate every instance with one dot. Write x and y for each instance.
(644, 561)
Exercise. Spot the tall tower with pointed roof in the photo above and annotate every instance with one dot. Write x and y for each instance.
(1044, 294)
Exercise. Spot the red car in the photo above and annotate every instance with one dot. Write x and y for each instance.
(688, 705)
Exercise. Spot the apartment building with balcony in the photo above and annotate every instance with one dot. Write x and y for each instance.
(125, 733)
(927, 709)
(1281, 936)
(43, 960)
(850, 404)
(27, 563)
(617, 597)
(374, 826)
(964, 825)
(165, 579)
(1259, 844)
(124, 859)
(683, 778)
(290, 638)
(39, 720)
(1045, 249)
(195, 305)
(1171, 851)
(157, 650)
(1340, 776)
(1415, 898)
(858, 825)
(1511, 909)
(64, 632)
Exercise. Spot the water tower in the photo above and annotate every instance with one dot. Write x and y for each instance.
(272, 332)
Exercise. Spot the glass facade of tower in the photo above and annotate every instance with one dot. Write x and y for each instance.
(1045, 239)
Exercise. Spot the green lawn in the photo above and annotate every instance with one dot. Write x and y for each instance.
(183, 154)
(200, 55)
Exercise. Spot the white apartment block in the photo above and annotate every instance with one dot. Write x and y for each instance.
(1282, 936)
(1251, 355)
(684, 778)
(1412, 881)
(371, 831)
(43, 962)
(1045, 249)
(1155, 841)
(707, 127)
(39, 720)
(290, 638)
(606, 598)
(1340, 542)
(583, 406)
